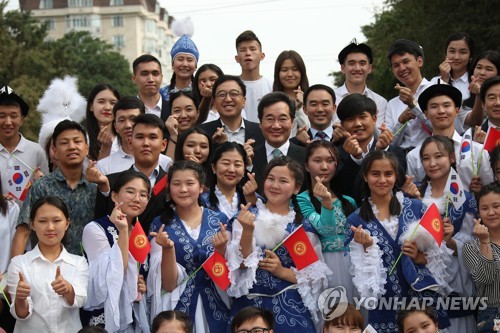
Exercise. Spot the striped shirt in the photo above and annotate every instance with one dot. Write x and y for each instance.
(484, 272)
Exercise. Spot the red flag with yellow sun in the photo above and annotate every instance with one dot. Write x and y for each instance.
(432, 222)
(300, 248)
(216, 268)
(138, 243)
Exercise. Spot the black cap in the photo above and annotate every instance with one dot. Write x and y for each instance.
(405, 46)
(8, 92)
(354, 47)
(439, 90)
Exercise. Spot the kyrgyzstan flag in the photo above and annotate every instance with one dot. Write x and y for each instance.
(432, 222)
(216, 268)
(300, 248)
(138, 243)
(492, 139)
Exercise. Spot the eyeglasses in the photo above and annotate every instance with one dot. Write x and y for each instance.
(255, 330)
(131, 195)
(233, 94)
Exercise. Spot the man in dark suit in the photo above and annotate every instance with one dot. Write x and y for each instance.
(319, 105)
(358, 116)
(147, 77)
(276, 113)
(228, 94)
(148, 141)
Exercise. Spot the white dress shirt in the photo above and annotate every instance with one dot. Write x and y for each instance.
(269, 150)
(328, 131)
(8, 223)
(381, 102)
(49, 312)
(237, 136)
(156, 110)
(413, 134)
(121, 161)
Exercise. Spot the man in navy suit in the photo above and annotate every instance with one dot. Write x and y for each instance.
(358, 117)
(276, 112)
(319, 105)
(228, 94)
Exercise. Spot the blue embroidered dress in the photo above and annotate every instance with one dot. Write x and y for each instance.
(294, 305)
(199, 297)
(370, 269)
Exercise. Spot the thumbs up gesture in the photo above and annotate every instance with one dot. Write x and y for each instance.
(60, 285)
(23, 290)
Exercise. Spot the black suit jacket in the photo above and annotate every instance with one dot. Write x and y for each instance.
(349, 178)
(104, 205)
(165, 109)
(252, 130)
(299, 143)
(296, 152)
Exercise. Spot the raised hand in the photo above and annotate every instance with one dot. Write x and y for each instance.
(338, 132)
(351, 146)
(219, 136)
(37, 174)
(172, 125)
(385, 138)
(320, 190)
(23, 290)
(299, 98)
(192, 157)
(60, 285)
(405, 95)
(302, 135)
(93, 175)
(250, 186)
(162, 238)
(445, 69)
(475, 184)
(361, 236)
(106, 136)
(119, 218)
(141, 284)
(474, 85)
(246, 217)
(410, 188)
(249, 150)
(481, 231)
(220, 239)
(479, 135)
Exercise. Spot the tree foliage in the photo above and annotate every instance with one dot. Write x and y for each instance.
(429, 23)
(30, 62)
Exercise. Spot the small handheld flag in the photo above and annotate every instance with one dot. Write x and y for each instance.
(19, 181)
(492, 139)
(432, 222)
(455, 189)
(216, 268)
(139, 245)
(300, 248)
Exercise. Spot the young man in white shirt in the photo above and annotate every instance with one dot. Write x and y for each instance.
(407, 58)
(356, 64)
(249, 55)
(124, 113)
(441, 103)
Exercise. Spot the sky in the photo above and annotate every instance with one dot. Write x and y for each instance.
(317, 30)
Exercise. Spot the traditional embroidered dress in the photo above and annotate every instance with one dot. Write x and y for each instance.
(330, 226)
(461, 321)
(370, 269)
(199, 297)
(112, 290)
(294, 305)
(224, 206)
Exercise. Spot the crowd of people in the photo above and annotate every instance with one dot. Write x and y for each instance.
(234, 164)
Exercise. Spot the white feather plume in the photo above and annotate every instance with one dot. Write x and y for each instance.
(422, 237)
(183, 27)
(60, 101)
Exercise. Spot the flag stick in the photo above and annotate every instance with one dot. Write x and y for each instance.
(447, 204)
(26, 165)
(479, 161)
(401, 254)
(3, 291)
(401, 128)
(472, 157)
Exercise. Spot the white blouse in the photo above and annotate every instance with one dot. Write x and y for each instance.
(8, 224)
(49, 312)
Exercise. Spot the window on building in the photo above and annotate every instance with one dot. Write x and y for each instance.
(116, 2)
(117, 21)
(118, 42)
(80, 3)
(78, 22)
(51, 24)
(46, 4)
(151, 26)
